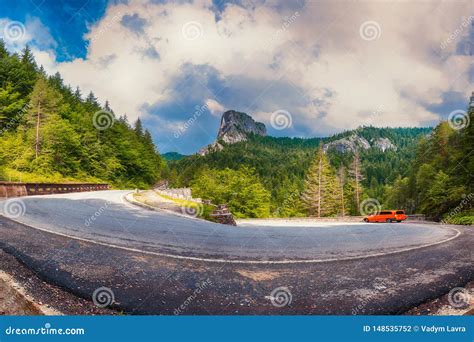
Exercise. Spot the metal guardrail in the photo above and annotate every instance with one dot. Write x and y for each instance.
(15, 189)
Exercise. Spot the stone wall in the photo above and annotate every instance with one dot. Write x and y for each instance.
(182, 193)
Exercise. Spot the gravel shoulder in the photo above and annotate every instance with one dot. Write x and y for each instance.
(23, 292)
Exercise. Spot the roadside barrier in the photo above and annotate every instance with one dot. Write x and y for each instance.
(16, 189)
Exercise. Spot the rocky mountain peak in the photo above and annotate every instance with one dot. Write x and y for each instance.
(235, 126)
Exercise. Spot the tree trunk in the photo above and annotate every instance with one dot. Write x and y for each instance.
(319, 185)
(342, 199)
(357, 188)
(37, 130)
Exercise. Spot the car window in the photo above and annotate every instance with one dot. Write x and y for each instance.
(400, 212)
(385, 213)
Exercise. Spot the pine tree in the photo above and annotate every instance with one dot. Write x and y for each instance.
(138, 128)
(92, 100)
(320, 188)
(11, 105)
(356, 173)
(341, 177)
(3, 49)
(107, 107)
(43, 105)
(78, 94)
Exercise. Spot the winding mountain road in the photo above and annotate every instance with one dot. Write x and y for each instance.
(154, 261)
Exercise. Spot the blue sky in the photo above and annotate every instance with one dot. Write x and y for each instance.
(322, 67)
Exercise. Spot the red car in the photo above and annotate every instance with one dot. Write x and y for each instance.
(387, 216)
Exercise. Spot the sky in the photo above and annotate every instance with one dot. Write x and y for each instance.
(304, 68)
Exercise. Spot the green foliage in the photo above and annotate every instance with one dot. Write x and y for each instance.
(321, 188)
(40, 114)
(464, 218)
(282, 163)
(441, 176)
(170, 156)
(240, 189)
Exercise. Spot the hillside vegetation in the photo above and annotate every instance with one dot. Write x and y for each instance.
(51, 133)
(281, 165)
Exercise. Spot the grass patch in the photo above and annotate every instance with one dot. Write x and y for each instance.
(27, 177)
(463, 218)
(203, 210)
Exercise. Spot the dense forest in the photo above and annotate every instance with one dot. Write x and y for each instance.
(52, 133)
(431, 172)
(440, 182)
(282, 165)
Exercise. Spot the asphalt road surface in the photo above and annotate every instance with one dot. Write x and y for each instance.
(161, 263)
(106, 217)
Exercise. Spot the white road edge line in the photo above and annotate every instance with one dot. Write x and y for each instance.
(265, 262)
(236, 261)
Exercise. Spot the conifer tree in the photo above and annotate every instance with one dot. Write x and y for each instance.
(320, 187)
(138, 128)
(341, 177)
(356, 173)
(43, 105)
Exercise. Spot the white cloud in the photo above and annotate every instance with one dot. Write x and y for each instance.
(215, 107)
(341, 80)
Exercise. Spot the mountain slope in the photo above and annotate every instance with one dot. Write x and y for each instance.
(281, 163)
(50, 133)
(169, 156)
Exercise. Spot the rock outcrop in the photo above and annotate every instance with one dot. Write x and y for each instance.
(235, 127)
(355, 142)
(383, 144)
(349, 144)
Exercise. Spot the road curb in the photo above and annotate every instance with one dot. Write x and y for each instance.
(10, 281)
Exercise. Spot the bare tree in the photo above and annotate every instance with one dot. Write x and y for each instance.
(356, 173)
(341, 176)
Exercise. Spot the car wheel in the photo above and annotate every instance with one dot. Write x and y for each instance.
(366, 220)
(388, 221)
(399, 221)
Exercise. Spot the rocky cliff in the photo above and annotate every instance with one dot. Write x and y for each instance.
(384, 144)
(235, 126)
(355, 142)
(349, 144)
